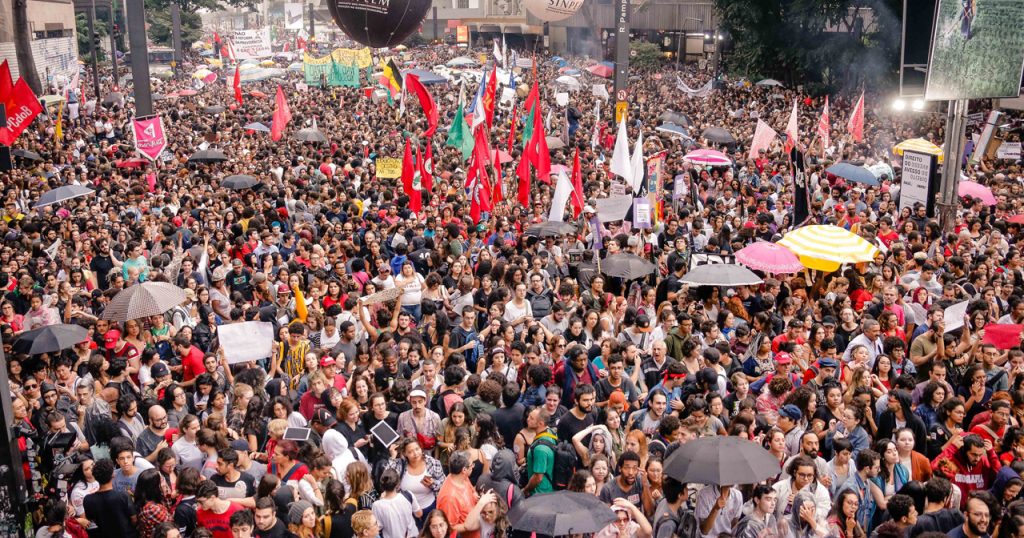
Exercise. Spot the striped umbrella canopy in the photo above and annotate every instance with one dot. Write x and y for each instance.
(919, 145)
(826, 247)
(708, 157)
(143, 300)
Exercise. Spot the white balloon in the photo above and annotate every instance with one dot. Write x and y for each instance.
(552, 10)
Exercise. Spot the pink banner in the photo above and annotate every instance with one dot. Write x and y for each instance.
(150, 139)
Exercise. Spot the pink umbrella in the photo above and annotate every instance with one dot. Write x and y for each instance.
(210, 79)
(976, 190)
(601, 70)
(503, 156)
(558, 168)
(708, 157)
(187, 93)
(769, 258)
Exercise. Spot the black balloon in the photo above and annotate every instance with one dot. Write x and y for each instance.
(379, 23)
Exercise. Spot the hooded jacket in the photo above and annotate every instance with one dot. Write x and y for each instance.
(502, 477)
(951, 464)
(887, 422)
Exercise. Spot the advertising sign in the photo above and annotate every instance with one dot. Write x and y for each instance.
(917, 185)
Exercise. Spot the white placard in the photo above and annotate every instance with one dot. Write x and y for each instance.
(617, 188)
(246, 341)
(917, 173)
(613, 208)
(599, 90)
(508, 96)
(641, 213)
(1009, 150)
(562, 99)
(953, 316)
(252, 44)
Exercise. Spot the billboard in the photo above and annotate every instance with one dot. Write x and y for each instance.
(293, 14)
(252, 44)
(977, 50)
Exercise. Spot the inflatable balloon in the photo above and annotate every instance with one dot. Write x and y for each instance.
(378, 23)
(552, 10)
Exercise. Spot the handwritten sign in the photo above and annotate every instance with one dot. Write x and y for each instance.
(389, 167)
(246, 341)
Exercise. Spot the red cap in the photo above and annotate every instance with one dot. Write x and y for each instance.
(327, 360)
(783, 358)
(110, 339)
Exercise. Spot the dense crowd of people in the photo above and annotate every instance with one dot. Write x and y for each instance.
(508, 366)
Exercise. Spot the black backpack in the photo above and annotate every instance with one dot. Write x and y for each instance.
(566, 461)
(680, 524)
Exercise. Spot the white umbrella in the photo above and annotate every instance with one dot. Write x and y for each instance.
(769, 82)
(569, 82)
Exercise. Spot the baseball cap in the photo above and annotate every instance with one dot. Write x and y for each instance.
(643, 323)
(828, 363)
(110, 338)
(240, 445)
(159, 370)
(327, 360)
(790, 411)
(783, 358)
(324, 417)
(828, 320)
(418, 393)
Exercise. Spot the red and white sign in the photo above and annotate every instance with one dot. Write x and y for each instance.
(150, 138)
(22, 108)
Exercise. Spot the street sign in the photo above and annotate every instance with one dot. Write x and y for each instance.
(620, 95)
(620, 111)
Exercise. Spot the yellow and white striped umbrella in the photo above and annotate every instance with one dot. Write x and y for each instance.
(826, 247)
(918, 144)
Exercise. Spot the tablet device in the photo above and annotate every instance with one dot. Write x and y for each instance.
(384, 433)
(297, 434)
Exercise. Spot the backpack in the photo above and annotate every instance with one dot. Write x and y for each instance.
(565, 464)
(680, 524)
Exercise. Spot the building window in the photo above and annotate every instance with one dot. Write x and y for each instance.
(463, 4)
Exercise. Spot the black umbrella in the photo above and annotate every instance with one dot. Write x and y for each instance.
(721, 460)
(675, 117)
(214, 109)
(27, 154)
(239, 182)
(111, 98)
(60, 194)
(561, 514)
(208, 156)
(50, 339)
(627, 266)
(718, 135)
(550, 229)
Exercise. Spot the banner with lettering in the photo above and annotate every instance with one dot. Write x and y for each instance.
(250, 44)
(150, 138)
(22, 108)
(343, 75)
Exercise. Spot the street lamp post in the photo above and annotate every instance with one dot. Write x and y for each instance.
(953, 148)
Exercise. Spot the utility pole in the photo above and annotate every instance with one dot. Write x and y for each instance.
(312, 22)
(112, 30)
(94, 46)
(176, 34)
(140, 57)
(621, 58)
(956, 128)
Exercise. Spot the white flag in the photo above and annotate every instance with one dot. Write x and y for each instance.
(763, 136)
(595, 138)
(792, 128)
(636, 164)
(498, 56)
(620, 157)
(563, 189)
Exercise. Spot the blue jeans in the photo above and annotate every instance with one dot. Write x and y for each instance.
(414, 310)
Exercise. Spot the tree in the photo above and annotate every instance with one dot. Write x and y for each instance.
(23, 46)
(644, 55)
(85, 39)
(817, 42)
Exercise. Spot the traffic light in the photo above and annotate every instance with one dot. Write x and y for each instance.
(96, 39)
(117, 30)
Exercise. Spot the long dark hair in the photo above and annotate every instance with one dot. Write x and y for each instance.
(147, 488)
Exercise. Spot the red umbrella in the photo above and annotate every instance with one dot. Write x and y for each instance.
(1016, 219)
(135, 162)
(503, 156)
(187, 93)
(601, 70)
(259, 94)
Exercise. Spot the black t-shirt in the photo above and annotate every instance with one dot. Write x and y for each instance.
(244, 487)
(101, 266)
(509, 421)
(185, 516)
(280, 530)
(112, 513)
(569, 425)
(383, 379)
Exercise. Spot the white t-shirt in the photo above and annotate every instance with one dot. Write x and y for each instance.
(413, 290)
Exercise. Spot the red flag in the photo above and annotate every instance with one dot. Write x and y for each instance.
(532, 97)
(415, 197)
(541, 153)
(300, 43)
(282, 115)
(512, 131)
(492, 88)
(22, 107)
(577, 186)
(408, 174)
(426, 169)
(824, 126)
(429, 109)
(856, 124)
(238, 86)
(523, 172)
(6, 84)
(1003, 336)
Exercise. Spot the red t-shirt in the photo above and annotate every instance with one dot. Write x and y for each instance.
(192, 364)
(218, 524)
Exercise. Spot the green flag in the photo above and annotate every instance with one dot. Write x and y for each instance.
(528, 127)
(460, 136)
(315, 73)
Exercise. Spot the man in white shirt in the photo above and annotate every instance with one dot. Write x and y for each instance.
(718, 507)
